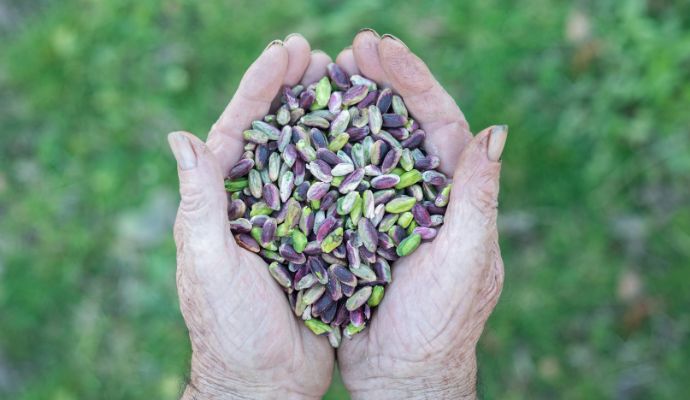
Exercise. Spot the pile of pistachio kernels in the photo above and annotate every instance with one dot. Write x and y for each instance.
(330, 190)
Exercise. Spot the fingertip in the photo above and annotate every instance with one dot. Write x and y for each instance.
(298, 50)
(407, 72)
(292, 35)
(366, 54)
(275, 52)
(198, 167)
(497, 141)
(392, 43)
(392, 52)
(483, 135)
(277, 43)
(257, 89)
(426, 99)
(174, 137)
(265, 76)
(320, 56)
(474, 196)
(480, 142)
(346, 60)
(369, 31)
(389, 36)
(181, 144)
(317, 67)
(187, 135)
(477, 153)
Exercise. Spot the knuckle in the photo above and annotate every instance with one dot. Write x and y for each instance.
(178, 233)
(497, 282)
(458, 125)
(482, 194)
(484, 205)
(495, 277)
(413, 76)
(485, 197)
(193, 200)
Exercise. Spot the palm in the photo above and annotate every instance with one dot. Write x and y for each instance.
(424, 308)
(255, 317)
(285, 341)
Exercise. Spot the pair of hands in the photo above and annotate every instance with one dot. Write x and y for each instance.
(246, 342)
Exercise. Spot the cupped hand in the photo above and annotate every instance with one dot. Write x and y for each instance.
(246, 342)
(421, 342)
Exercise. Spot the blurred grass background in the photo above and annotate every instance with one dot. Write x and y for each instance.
(595, 215)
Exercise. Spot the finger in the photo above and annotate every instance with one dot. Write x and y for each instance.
(252, 100)
(473, 205)
(299, 55)
(411, 78)
(202, 216)
(346, 60)
(317, 67)
(427, 101)
(366, 53)
(298, 58)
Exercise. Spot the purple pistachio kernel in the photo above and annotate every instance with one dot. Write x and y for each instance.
(385, 181)
(421, 215)
(384, 100)
(393, 120)
(327, 156)
(241, 168)
(351, 181)
(414, 140)
(357, 134)
(355, 94)
(368, 100)
(425, 232)
(338, 76)
(329, 199)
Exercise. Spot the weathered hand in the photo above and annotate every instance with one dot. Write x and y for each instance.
(245, 340)
(421, 342)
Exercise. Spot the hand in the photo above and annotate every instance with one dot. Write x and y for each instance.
(246, 342)
(421, 342)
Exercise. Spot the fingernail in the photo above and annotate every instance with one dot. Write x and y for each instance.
(294, 34)
(274, 43)
(348, 47)
(389, 36)
(369, 30)
(183, 151)
(318, 51)
(497, 140)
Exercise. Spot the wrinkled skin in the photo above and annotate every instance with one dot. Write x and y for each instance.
(421, 343)
(246, 342)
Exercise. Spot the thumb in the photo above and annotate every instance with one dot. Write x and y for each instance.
(472, 208)
(202, 217)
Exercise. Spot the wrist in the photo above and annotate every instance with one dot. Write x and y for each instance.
(445, 380)
(201, 389)
(192, 392)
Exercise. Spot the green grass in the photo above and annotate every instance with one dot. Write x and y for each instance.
(595, 216)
